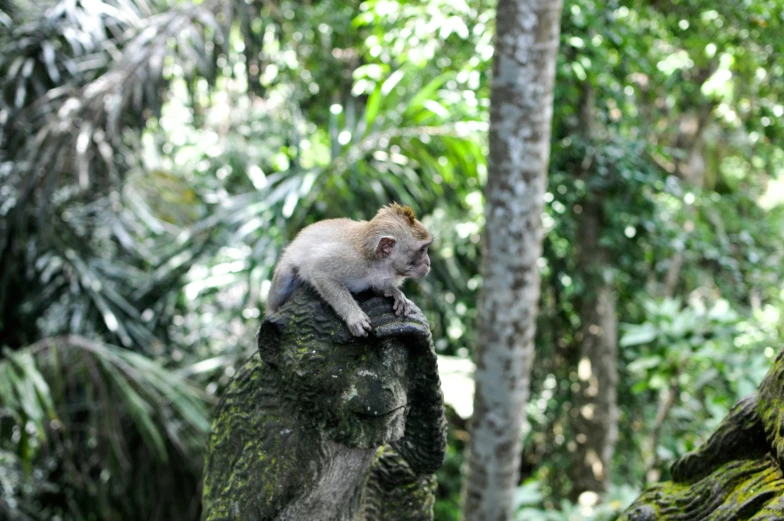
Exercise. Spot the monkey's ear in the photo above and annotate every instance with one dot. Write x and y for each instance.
(268, 340)
(384, 247)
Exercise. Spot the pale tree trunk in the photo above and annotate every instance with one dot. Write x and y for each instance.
(526, 47)
(595, 423)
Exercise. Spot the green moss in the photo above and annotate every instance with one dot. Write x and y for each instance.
(274, 427)
(736, 475)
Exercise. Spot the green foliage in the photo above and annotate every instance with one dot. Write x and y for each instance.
(533, 505)
(655, 73)
(706, 356)
(79, 417)
(154, 166)
(156, 156)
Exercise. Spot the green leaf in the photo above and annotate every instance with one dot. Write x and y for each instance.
(641, 365)
(138, 409)
(426, 93)
(372, 109)
(638, 334)
(25, 362)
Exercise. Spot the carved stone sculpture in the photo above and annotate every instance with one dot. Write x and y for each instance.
(737, 474)
(321, 425)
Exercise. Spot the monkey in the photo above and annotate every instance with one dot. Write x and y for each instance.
(341, 256)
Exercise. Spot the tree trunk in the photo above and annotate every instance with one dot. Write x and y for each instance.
(596, 421)
(596, 401)
(526, 46)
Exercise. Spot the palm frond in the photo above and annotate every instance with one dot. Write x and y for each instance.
(86, 116)
(88, 74)
(401, 147)
(71, 396)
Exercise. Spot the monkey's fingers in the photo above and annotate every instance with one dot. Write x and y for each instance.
(402, 306)
(359, 326)
(406, 307)
(357, 330)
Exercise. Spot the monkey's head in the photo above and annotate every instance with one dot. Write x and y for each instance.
(400, 241)
(354, 389)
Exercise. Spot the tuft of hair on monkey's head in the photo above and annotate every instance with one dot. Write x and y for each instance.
(396, 212)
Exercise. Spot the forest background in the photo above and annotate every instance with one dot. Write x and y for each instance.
(157, 155)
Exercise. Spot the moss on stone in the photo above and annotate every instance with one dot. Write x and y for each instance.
(734, 476)
(315, 402)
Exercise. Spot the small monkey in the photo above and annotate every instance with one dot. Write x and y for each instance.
(340, 256)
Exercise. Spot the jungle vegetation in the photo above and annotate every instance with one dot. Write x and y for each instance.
(156, 155)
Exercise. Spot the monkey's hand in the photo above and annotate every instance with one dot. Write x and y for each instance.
(358, 323)
(402, 304)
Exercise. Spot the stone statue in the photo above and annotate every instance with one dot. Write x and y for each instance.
(321, 425)
(737, 474)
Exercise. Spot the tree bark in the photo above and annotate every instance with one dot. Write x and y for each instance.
(596, 401)
(596, 421)
(526, 47)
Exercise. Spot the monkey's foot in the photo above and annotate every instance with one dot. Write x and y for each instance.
(359, 324)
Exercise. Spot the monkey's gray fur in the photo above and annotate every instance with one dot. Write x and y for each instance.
(341, 256)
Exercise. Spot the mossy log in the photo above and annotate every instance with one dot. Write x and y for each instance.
(320, 425)
(737, 474)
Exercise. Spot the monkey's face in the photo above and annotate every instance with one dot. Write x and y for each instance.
(414, 261)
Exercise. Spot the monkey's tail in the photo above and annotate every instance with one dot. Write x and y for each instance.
(284, 282)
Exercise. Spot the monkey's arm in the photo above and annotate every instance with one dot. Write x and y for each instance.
(338, 296)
